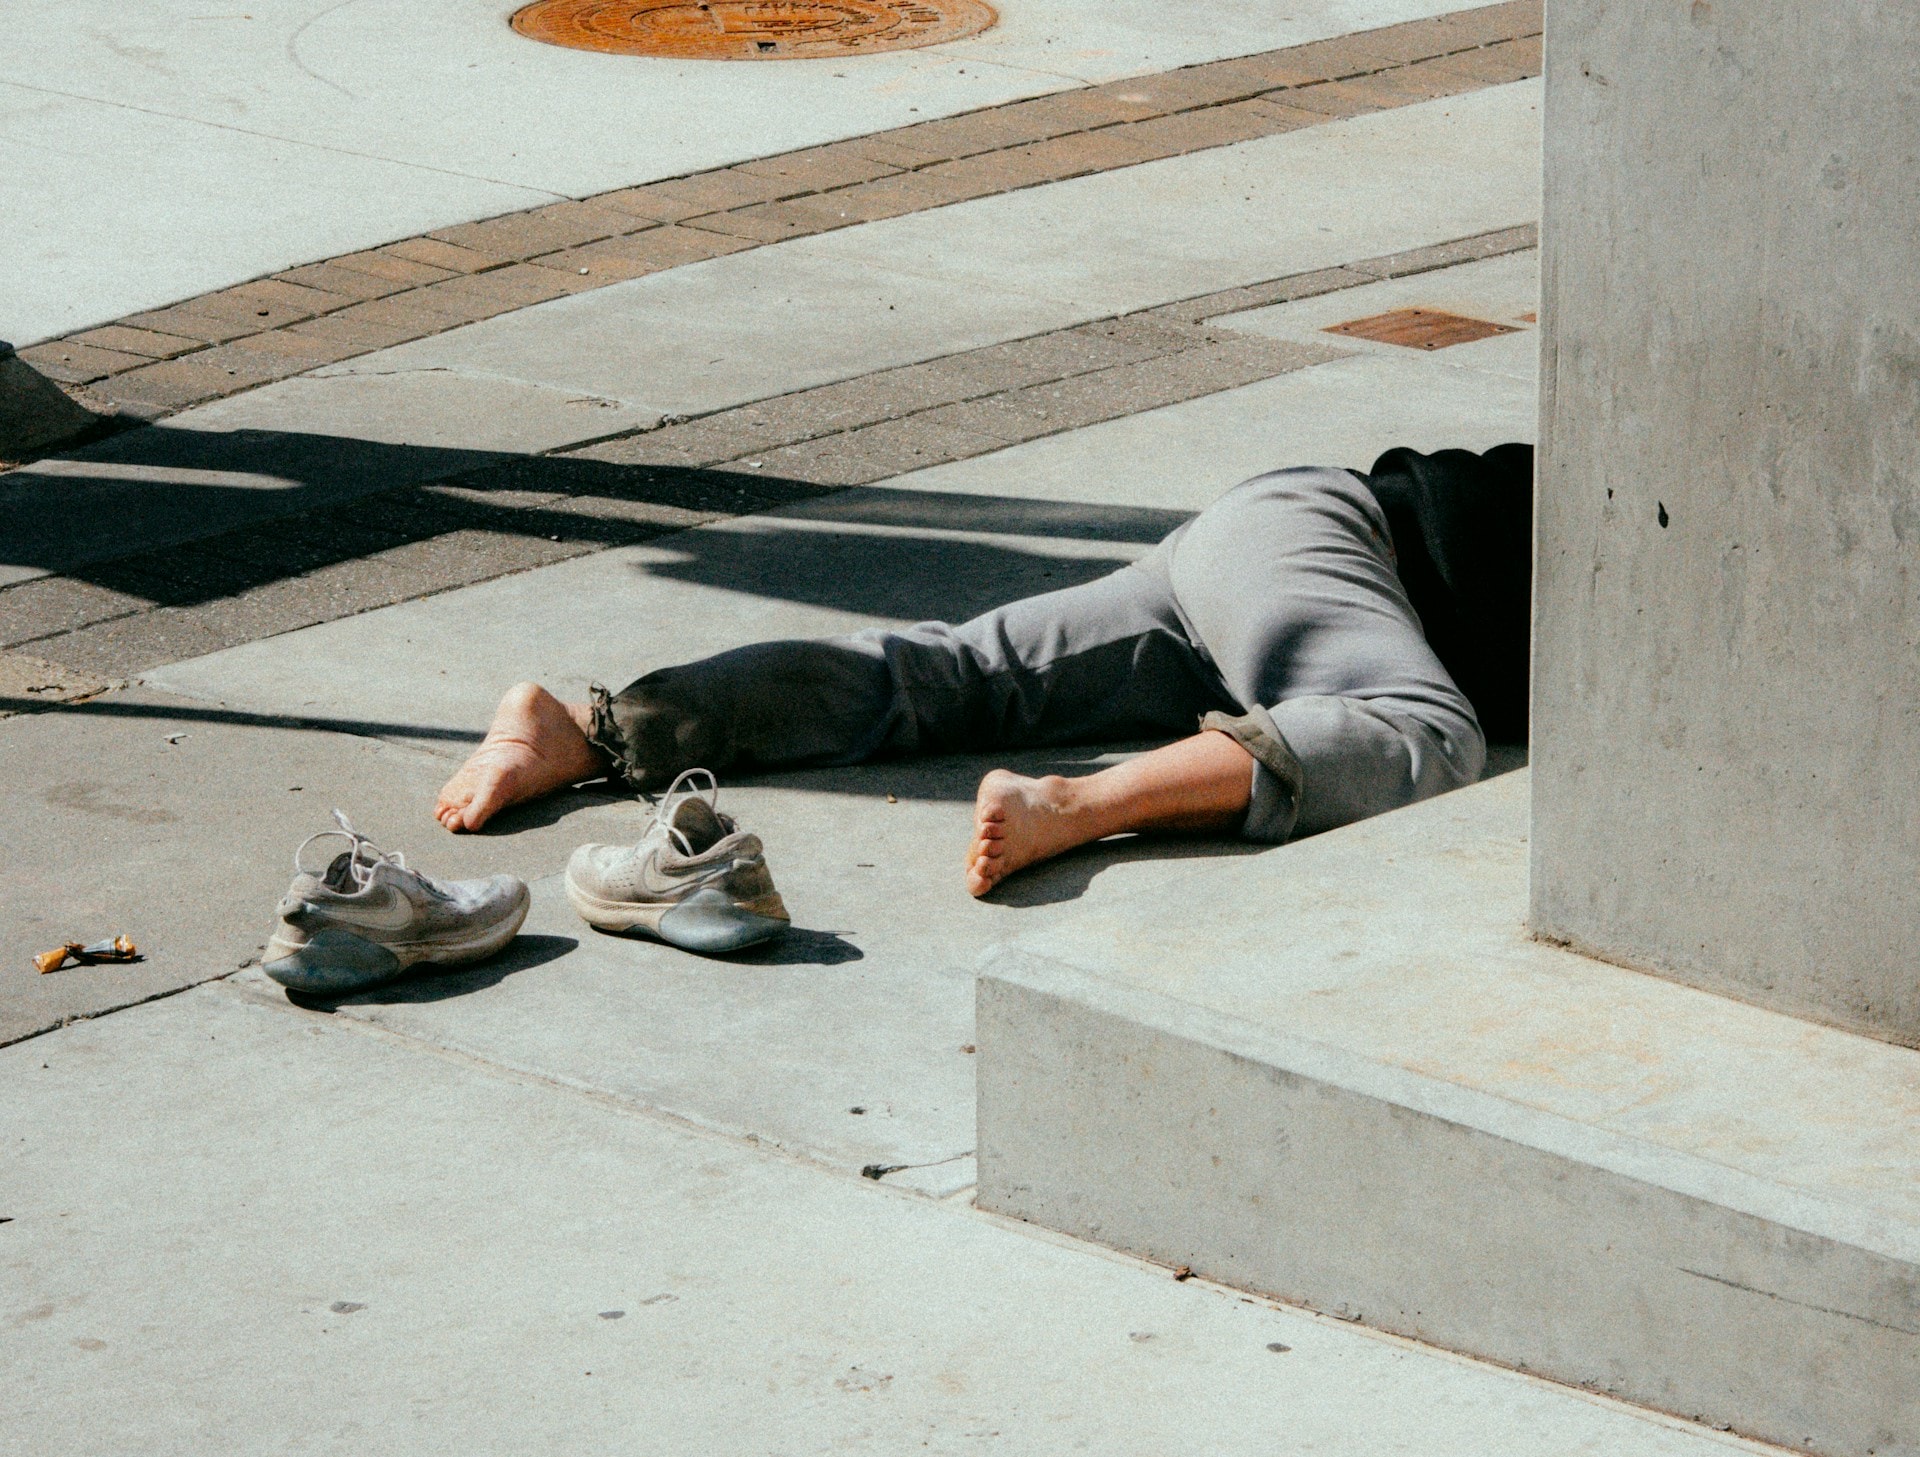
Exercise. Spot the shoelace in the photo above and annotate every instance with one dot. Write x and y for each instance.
(671, 801)
(366, 856)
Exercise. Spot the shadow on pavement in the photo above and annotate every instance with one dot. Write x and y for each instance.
(912, 577)
(797, 947)
(160, 485)
(180, 517)
(523, 953)
(801, 947)
(550, 809)
(942, 778)
(120, 708)
(1069, 877)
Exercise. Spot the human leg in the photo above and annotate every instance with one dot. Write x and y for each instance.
(1107, 659)
(1342, 709)
(535, 745)
(1289, 583)
(1197, 785)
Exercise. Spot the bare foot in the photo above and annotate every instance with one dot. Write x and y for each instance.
(537, 744)
(1019, 821)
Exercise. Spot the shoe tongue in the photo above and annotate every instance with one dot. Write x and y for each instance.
(694, 818)
(339, 875)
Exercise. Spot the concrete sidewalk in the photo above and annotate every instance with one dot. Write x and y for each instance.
(237, 1227)
(169, 148)
(599, 1192)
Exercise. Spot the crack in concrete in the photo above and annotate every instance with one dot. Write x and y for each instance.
(293, 47)
(1803, 1304)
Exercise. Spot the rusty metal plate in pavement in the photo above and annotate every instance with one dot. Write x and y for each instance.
(1421, 328)
(750, 30)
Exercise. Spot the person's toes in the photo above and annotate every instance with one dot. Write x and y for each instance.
(488, 799)
(452, 800)
(985, 860)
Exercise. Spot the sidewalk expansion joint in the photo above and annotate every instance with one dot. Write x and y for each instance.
(159, 361)
(118, 617)
(127, 1006)
(269, 999)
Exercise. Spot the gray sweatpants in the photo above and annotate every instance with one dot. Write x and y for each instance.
(1274, 616)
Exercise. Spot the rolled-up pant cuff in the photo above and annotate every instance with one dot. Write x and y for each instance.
(1278, 779)
(603, 732)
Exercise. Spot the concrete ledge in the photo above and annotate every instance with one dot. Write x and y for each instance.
(1343, 1075)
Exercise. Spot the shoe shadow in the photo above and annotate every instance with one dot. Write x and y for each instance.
(432, 985)
(801, 948)
(796, 947)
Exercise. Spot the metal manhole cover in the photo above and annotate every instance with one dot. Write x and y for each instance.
(1421, 328)
(750, 30)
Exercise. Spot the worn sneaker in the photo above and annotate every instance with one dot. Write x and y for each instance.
(366, 918)
(696, 880)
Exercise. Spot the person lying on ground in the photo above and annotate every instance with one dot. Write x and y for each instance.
(1342, 643)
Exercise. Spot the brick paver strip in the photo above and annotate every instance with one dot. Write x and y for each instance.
(819, 169)
(122, 616)
(389, 266)
(910, 169)
(71, 362)
(143, 342)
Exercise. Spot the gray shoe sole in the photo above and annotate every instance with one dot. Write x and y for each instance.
(708, 921)
(335, 963)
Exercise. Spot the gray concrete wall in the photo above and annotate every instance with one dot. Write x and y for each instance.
(1727, 700)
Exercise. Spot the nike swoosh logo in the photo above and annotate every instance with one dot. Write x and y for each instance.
(393, 913)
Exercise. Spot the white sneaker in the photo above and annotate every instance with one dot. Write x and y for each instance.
(366, 918)
(695, 880)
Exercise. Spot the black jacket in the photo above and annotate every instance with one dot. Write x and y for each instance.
(1463, 533)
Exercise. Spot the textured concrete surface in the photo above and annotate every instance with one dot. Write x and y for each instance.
(428, 409)
(301, 527)
(1498, 290)
(862, 1008)
(595, 1166)
(1345, 1075)
(845, 1042)
(174, 149)
(238, 1226)
(27, 681)
(174, 822)
(292, 449)
(716, 333)
(219, 343)
(1034, 516)
(1342, 413)
(1725, 645)
(176, 482)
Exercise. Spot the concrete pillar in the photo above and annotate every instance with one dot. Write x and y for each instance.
(1726, 684)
